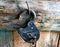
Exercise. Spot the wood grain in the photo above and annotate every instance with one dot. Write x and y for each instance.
(6, 38)
(47, 39)
(18, 41)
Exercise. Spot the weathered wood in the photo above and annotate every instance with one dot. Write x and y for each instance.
(18, 41)
(59, 43)
(6, 38)
(47, 39)
(44, 40)
(48, 0)
(8, 13)
(54, 38)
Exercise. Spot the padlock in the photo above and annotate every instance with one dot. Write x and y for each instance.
(30, 33)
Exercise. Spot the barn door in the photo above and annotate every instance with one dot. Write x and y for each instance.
(6, 38)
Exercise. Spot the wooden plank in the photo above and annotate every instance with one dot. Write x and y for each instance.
(48, 39)
(54, 38)
(18, 41)
(59, 43)
(48, 0)
(44, 39)
(6, 38)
